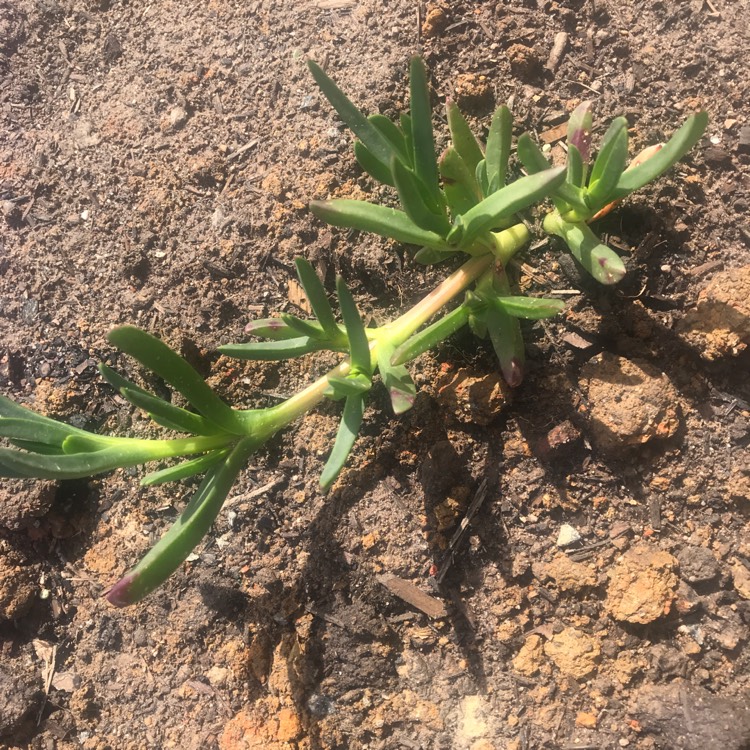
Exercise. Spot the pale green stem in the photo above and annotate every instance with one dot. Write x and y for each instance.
(403, 327)
(178, 447)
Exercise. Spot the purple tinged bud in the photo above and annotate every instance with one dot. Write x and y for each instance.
(401, 400)
(579, 130)
(272, 324)
(514, 372)
(120, 594)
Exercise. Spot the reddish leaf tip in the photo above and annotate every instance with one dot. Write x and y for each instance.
(120, 594)
(514, 372)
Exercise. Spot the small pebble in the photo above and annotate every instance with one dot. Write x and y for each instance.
(567, 536)
(177, 117)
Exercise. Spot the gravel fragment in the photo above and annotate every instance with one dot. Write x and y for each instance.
(698, 565)
(568, 535)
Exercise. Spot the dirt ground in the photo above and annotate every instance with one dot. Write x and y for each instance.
(156, 160)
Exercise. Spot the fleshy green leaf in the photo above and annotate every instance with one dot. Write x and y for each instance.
(271, 328)
(427, 256)
(372, 138)
(162, 412)
(11, 410)
(169, 416)
(534, 161)
(481, 176)
(531, 155)
(359, 345)
(396, 379)
(44, 449)
(431, 336)
(463, 139)
(530, 308)
(193, 524)
(351, 421)
(579, 130)
(406, 129)
(395, 136)
(576, 167)
(274, 351)
(425, 162)
(170, 366)
(53, 434)
(459, 182)
(304, 327)
(609, 164)
(677, 146)
(614, 131)
(74, 466)
(509, 200)
(185, 469)
(373, 166)
(505, 335)
(498, 148)
(370, 217)
(316, 294)
(414, 198)
(343, 386)
(598, 259)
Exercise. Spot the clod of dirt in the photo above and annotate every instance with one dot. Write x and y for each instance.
(177, 117)
(475, 712)
(567, 574)
(524, 62)
(642, 585)
(631, 402)
(23, 500)
(574, 652)
(435, 20)
(738, 486)
(698, 565)
(530, 659)
(265, 727)
(473, 92)
(408, 707)
(687, 600)
(687, 717)
(741, 578)
(273, 722)
(472, 398)
(12, 214)
(560, 441)
(20, 694)
(17, 583)
(720, 324)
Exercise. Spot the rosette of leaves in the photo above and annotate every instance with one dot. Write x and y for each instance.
(591, 190)
(459, 203)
